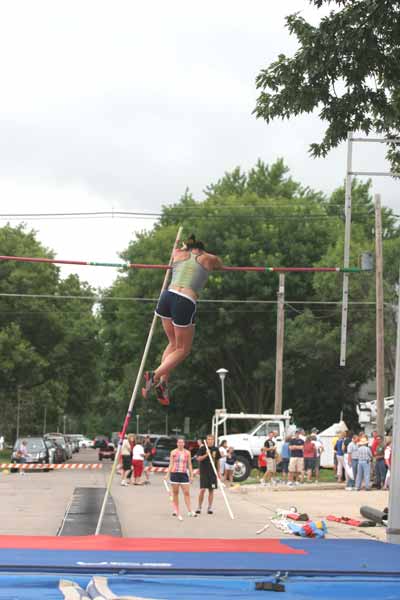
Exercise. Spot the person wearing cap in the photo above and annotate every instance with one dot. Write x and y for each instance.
(364, 463)
(296, 461)
(315, 431)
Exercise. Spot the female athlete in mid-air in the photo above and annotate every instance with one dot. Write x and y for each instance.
(191, 267)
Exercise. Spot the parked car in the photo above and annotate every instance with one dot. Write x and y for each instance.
(161, 450)
(107, 451)
(99, 441)
(37, 450)
(60, 441)
(85, 443)
(58, 454)
(73, 442)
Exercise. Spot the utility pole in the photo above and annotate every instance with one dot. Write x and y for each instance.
(45, 419)
(380, 344)
(280, 330)
(18, 408)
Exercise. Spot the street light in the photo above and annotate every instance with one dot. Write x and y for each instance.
(222, 373)
(137, 424)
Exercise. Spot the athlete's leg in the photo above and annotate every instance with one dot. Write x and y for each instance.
(201, 498)
(183, 340)
(210, 498)
(175, 497)
(186, 496)
(171, 347)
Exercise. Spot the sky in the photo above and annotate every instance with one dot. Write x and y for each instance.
(123, 105)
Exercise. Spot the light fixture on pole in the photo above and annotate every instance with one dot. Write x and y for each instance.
(137, 424)
(222, 373)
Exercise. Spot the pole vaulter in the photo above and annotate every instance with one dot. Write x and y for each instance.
(135, 391)
(126, 265)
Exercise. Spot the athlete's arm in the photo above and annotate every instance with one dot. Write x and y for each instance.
(190, 464)
(201, 457)
(213, 262)
(171, 456)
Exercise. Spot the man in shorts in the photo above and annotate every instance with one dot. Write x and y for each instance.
(270, 455)
(296, 461)
(208, 479)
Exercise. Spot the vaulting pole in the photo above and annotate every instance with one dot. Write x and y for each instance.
(135, 391)
(393, 529)
(127, 265)
(219, 482)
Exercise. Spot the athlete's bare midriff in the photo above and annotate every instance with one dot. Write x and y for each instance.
(184, 291)
(208, 261)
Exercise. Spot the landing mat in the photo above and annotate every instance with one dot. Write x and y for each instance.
(185, 556)
(45, 587)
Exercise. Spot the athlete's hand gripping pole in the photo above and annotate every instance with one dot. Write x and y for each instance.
(219, 482)
(135, 389)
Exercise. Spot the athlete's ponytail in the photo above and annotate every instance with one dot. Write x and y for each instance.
(192, 244)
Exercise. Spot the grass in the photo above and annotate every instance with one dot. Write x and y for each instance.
(325, 476)
(5, 455)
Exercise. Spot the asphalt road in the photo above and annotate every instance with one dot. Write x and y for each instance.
(35, 504)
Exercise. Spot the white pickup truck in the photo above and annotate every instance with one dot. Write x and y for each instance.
(248, 445)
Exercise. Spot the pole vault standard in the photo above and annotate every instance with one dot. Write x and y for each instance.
(127, 265)
(347, 234)
(134, 393)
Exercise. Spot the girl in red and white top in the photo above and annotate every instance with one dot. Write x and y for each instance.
(180, 475)
(137, 461)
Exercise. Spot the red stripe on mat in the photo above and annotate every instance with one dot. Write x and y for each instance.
(115, 544)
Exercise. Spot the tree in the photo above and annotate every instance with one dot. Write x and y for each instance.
(347, 68)
(49, 346)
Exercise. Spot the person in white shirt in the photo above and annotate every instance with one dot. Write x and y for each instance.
(319, 448)
(223, 451)
(137, 462)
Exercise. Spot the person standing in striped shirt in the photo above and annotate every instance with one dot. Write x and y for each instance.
(180, 474)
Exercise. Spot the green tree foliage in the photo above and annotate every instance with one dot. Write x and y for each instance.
(49, 347)
(347, 68)
(257, 218)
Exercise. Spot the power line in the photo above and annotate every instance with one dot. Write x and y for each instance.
(214, 212)
(205, 301)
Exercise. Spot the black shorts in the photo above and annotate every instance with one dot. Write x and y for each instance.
(208, 481)
(179, 309)
(262, 469)
(179, 478)
(126, 462)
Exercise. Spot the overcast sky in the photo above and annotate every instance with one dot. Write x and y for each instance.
(122, 105)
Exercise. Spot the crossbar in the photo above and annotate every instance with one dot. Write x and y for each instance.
(375, 173)
(265, 269)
